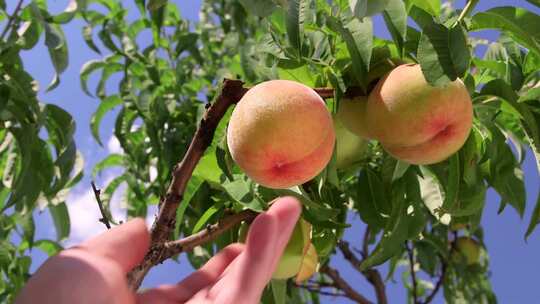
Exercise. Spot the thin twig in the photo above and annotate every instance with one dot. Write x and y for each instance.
(318, 290)
(211, 232)
(410, 251)
(438, 285)
(372, 275)
(104, 219)
(340, 283)
(11, 19)
(365, 244)
(466, 10)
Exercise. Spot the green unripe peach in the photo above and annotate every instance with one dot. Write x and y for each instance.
(349, 147)
(469, 249)
(281, 134)
(299, 257)
(352, 113)
(416, 122)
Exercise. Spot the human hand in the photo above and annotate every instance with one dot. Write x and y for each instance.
(95, 271)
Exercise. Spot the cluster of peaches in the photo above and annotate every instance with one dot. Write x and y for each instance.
(281, 133)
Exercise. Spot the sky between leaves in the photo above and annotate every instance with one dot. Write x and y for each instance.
(514, 263)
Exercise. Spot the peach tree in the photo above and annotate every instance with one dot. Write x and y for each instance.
(266, 98)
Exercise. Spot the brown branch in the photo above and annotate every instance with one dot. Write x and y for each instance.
(410, 252)
(104, 219)
(340, 283)
(211, 232)
(11, 19)
(231, 92)
(372, 275)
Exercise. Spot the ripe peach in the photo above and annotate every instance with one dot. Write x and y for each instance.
(416, 122)
(281, 134)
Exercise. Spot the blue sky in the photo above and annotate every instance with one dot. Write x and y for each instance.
(514, 263)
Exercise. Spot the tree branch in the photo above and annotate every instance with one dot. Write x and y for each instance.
(11, 19)
(318, 290)
(343, 285)
(104, 219)
(410, 252)
(231, 92)
(438, 285)
(372, 275)
(210, 233)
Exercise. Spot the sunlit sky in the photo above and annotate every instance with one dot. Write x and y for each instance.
(514, 263)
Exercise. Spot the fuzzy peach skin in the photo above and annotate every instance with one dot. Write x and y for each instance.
(281, 134)
(416, 122)
(352, 113)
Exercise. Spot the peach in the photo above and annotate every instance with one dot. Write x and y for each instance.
(299, 258)
(352, 113)
(416, 122)
(350, 148)
(468, 248)
(281, 134)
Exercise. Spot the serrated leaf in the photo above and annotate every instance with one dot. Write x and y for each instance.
(60, 216)
(514, 21)
(104, 107)
(295, 22)
(395, 17)
(358, 36)
(443, 53)
(260, 8)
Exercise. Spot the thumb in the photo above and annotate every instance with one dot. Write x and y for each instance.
(125, 244)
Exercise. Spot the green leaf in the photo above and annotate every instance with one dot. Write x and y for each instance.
(433, 195)
(433, 7)
(87, 69)
(514, 21)
(260, 8)
(295, 22)
(29, 33)
(535, 218)
(206, 217)
(56, 45)
(366, 202)
(155, 4)
(279, 291)
(49, 247)
(104, 107)
(534, 2)
(87, 32)
(395, 17)
(443, 53)
(452, 184)
(60, 216)
(112, 160)
(358, 36)
(68, 14)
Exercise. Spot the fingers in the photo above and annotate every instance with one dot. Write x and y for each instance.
(265, 243)
(125, 244)
(204, 277)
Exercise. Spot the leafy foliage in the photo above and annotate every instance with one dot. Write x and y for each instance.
(170, 67)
